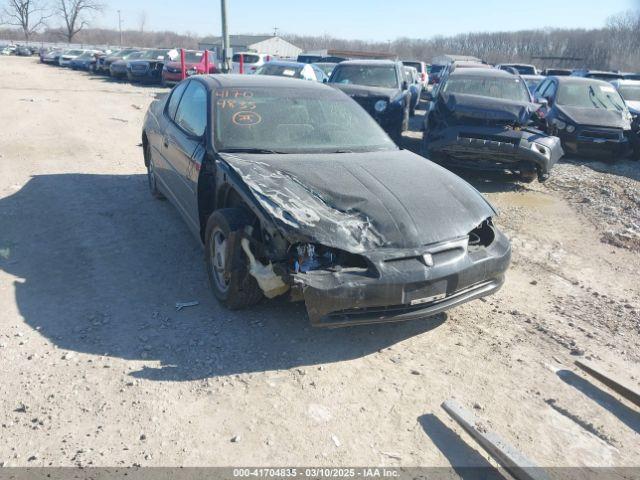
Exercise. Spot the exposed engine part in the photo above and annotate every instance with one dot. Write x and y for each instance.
(483, 235)
(307, 258)
(271, 284)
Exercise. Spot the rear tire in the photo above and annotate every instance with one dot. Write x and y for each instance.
(235, 288)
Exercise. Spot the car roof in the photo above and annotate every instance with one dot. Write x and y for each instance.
(622, 82)
(516, 65)
(533, 77)
(482, 72)
(381, 63)
(571, 79)
(267, 81)
(285, 63)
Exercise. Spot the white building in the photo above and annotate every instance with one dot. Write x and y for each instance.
(267, 44)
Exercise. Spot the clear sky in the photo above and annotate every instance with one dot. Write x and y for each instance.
(380, 20)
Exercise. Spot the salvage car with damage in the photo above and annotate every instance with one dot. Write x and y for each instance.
(293, 189)
(588, 115)
(483, 119)
(380, 87)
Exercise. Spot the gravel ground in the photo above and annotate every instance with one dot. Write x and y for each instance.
(99, 369)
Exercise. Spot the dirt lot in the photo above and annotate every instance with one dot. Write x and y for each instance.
(97, 368)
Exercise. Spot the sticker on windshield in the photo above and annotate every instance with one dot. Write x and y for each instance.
(288, 73)
(607, 89)
(245, 119)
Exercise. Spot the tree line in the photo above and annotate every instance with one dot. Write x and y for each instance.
(614, 46)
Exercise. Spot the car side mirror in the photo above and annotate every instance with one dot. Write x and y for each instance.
(405, 85)
(543, 102)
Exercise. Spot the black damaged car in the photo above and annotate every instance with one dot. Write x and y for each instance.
(588, 115)
(483, 118)
(380, 87)
(148, 67)
(293, 189)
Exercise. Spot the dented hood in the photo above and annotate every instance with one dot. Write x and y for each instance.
(462, 107)
(362, 201)
(595, 117)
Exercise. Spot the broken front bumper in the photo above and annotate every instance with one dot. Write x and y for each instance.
(405, 287)
(598, 142)
(497, 146)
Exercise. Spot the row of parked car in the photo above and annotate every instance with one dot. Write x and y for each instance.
(19, 50)
(477, 115)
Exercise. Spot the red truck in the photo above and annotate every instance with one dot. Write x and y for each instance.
(195, 65)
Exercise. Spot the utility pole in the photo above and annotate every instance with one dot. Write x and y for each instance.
(120, 26)
(226, 47)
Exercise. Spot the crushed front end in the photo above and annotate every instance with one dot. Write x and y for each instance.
(481, 133)
(389, 285)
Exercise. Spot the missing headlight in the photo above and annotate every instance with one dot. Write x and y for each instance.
(309, 257)
(482, 236)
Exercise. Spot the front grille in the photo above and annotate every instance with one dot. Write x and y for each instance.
(489, 139)
(603, 134)
(139, 68)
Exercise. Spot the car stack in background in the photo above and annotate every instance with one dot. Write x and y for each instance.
(476, 114)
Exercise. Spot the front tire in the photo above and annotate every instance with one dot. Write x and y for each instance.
(152, 180)
(230, 280)
(528, 173)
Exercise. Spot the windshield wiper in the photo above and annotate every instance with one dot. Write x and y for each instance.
(251, 150)
(592, 95)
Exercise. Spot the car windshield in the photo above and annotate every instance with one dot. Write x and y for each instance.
(292, 71)
(193, 57)
(590, 95)
(75, 52)
(416, 65)
(509, 88)
(247, 58)
(155, 54)
(521, 69)
(134, 55)
(436, 68)
(293, 120)
(86, 55)
(327, 68)
(631, 93)
(367, 75)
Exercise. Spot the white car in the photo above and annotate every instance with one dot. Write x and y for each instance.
(8, 50)
(69, 55)
(251, 61)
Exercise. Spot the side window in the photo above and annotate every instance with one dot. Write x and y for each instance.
(550, 92)
(318, 73)
(543, 85)
(176, 94)
(192, 112)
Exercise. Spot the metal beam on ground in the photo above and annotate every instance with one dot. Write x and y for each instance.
(518, 466)
(627, 391)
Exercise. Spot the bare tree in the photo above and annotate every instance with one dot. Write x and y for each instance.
(142, 20)
(74, 14)
(29, 15)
